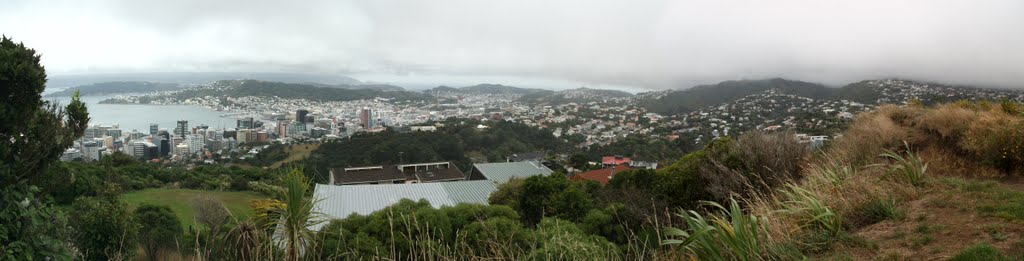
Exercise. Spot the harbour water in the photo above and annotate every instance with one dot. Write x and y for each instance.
(139, 116)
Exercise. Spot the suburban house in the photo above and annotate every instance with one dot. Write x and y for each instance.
(396, 174)
(602, 175)
(609, 161)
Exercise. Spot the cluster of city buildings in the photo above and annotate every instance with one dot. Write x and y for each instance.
(203, 142)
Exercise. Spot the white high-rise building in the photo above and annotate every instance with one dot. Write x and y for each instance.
(195, 143)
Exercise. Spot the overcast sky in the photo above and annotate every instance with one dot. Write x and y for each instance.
(647, 44)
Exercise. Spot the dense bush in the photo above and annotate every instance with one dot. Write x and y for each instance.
(103, 229)
(402, 229)
(459, 138)
(159, 228)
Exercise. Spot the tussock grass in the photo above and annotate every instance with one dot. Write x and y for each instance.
(906, 166)
(729, 234)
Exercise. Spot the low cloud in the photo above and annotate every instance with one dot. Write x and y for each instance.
(647, 44)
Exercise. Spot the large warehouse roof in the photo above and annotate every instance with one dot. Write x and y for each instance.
(503, 171)
(341, 201)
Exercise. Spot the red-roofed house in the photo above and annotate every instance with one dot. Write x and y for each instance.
(602, 175)
(614, 160)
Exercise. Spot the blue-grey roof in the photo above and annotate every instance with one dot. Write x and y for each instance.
(503, 171)
(341, 201)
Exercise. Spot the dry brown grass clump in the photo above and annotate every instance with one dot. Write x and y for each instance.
(852, 180)
(871, 131)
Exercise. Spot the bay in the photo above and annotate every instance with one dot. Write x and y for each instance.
(138, 116)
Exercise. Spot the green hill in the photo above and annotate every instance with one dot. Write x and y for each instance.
(105, 88)
(709, 95)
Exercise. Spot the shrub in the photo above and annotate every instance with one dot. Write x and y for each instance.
(159, 228)
(563, 240)
(103, 229)
(997, 141)
(910, 168)
(754, 164)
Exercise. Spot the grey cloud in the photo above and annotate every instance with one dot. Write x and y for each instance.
(651, 44)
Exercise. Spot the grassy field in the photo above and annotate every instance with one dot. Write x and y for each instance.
(178, 200)
(296, 153)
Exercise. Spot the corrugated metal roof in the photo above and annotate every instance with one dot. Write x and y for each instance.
(341, 201)
(503, 171)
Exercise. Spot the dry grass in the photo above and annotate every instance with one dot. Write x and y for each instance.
(944, 137)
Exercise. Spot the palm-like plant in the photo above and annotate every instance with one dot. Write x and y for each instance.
(297, 216)
(728, 235)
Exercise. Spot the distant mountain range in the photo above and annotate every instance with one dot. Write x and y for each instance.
(489, 89)
(317, 93)
(107, 88)
(867, 91)
(194, 78)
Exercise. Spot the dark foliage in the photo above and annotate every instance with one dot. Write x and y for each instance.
(159, 228)
(34, 134)
(709, 95)
(453, 142)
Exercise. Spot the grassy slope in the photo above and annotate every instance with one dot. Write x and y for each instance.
(296, 153)
(178, 200)
(961, 203)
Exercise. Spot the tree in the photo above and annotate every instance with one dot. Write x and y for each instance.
(34, 134)
(103, 229)
(158, 228)
(211, 212)
(550, 196)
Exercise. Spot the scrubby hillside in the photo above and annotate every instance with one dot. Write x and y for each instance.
(902, 183)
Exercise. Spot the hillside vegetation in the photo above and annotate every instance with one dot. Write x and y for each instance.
(902, 183)
(105, 88)
(710, 95)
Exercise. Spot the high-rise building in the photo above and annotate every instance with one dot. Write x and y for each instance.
(195, 143)
(300, 115)
(182, 129)
(246, 123)
(365, 116)
(153, 128)
(282, 129)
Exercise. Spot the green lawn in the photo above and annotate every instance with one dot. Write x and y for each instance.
(178, 200)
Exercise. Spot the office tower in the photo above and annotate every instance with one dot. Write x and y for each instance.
(116, 133)
(153, 129)
(246, 123)
(300, 115)
(282, 129)
(165, 147)
(195, 143)
(182, 129)
(365, 116)
(200, 129)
